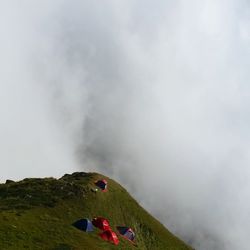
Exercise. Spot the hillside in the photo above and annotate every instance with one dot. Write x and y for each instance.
(38, 214)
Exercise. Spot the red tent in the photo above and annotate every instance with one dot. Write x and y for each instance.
(101, 223)
(111, 236)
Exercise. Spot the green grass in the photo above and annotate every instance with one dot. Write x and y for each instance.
(38, 214)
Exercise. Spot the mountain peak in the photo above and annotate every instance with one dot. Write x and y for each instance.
(38, 213)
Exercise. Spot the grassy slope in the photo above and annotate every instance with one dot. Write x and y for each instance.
(38, 213)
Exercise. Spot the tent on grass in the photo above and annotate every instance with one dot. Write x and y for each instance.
(101, 223)
(110, 236)
(127, 233)
(84, 225)
(102, 184)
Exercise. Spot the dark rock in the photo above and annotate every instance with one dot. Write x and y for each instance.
(9, 181)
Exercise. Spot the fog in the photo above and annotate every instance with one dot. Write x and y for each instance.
(153, 94)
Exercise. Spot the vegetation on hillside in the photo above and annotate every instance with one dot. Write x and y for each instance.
(38, 214)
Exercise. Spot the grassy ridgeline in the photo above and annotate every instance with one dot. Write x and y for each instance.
(38, 214)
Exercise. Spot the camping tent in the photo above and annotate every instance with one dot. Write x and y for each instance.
(127, 233)
(101, 223)
(84, 225)
(102, 184)
(110, 236)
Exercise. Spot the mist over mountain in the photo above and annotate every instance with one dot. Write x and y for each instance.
(136, 88)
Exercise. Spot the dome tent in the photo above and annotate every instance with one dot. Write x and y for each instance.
(101, 223)
(84, 225)
(102, 184)
(110, 236)
(126, 232)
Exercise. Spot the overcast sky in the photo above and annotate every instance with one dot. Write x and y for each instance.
(152, 93)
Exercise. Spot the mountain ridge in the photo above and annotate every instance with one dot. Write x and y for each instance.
(38, 213)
